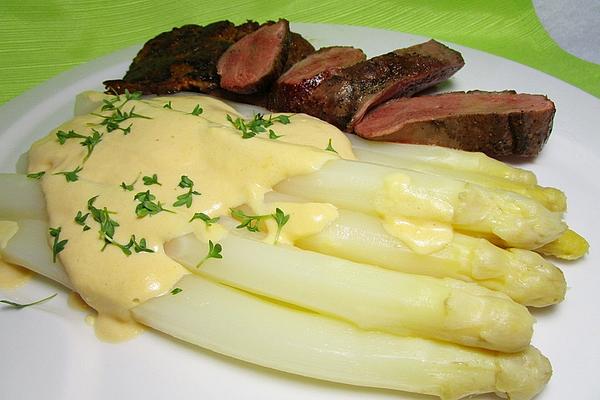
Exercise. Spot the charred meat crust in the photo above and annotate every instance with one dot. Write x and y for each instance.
(496, 123)
(254, 62)
(299, 49)
(343, 98)
(182, 59)
(293, 89)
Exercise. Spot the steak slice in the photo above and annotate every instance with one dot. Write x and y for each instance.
(182, 59)
(496, 123)
(300, 48)
(256, 60)
(294, 87)
(345, 97)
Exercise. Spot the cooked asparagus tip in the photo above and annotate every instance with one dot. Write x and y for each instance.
(388, 192)
(371, 297)
(553, 199)
(569, 246)
(523, 275)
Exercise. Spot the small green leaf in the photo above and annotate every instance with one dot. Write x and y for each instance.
(214, 251)
(197, 110)
(168, 105)
(330, 147)
(57, 245)
(273, 135)
(71, 176)
(151, 180)
(281, 219)
(63, 136)
(176, 291)
(36, 175)
(207, 220)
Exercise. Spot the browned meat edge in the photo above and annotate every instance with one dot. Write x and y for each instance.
(496, 123)
(345, 97)
(294, 87)
(182, 59)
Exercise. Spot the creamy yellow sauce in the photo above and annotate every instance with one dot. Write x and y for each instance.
(171, 142)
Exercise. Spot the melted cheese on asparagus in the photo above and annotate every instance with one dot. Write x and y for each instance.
(167, 138)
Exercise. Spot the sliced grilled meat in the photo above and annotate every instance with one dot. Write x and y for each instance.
(496, 123)
(256, 60)
(299, 49)
(294, 87)
(344, 98)
(183, 59)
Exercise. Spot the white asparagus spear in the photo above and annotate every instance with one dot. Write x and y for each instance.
(29, 248)
(246, 327)
(523, 275)
(21, 198)
(371, 297)
(551, 198)
(379, 190)
(446, 158)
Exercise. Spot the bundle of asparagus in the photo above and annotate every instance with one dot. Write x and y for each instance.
(420, 284)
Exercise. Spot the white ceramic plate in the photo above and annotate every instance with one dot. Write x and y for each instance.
(48, 352)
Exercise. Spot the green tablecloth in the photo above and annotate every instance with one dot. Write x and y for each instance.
(39, 39)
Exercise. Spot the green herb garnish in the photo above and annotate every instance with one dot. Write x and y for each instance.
(147, 206)
(330, 147)
(113, 121)
(186, 198)
(214, 251)
(249, 222)
(176, 291)
(80, 219)
(19, 305)
(90, 142)
(129, 187)
(258, 124)
(57, 245)
(151, 180)
(36, 175)
(63, 136)
(281, 219)
(207, 220)
(197, 110)
(273, 135)
(168, 105)
(70, 176)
